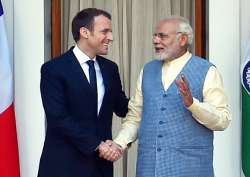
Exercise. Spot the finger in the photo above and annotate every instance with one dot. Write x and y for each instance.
(108, 154)
(181, 88)
(103, 149)
(119, 149)
(102, 153)
(178, 84)
(117, 157)
(115, 152)
(113, 157)
(109, 142)
(185, 81)
(183, 92)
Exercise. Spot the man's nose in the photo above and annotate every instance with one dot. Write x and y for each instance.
(110, 36)
(156, 40)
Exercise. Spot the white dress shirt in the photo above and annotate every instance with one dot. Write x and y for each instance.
(82, 59)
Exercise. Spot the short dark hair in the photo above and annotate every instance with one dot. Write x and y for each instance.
(85, 18)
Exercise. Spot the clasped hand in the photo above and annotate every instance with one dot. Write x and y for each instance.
(109, 150)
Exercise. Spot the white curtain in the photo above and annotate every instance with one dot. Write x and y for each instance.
(133, 23)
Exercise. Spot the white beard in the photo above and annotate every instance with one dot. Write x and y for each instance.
(162, 56)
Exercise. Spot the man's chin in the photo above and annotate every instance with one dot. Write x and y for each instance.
(160, 56)
(103, 53)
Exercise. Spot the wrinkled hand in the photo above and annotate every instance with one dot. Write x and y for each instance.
(109, 150)
(183, 87)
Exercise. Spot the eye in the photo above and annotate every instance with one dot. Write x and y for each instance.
(161, 35)
(105, 31)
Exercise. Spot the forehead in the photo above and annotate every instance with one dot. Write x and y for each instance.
(102, 22)
(166, 26)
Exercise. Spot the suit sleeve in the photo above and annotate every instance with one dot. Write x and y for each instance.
(121, 101)
(58, 117)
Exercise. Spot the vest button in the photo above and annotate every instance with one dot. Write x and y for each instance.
(159, 149)
(160, 122)
(160, 136)
(163, 109)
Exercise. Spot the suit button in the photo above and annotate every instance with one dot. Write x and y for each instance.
(163, 109)
(159, 149)
(164, 95)
(161, 122)
(160, 136)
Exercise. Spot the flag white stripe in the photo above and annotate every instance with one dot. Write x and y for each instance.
(6, 84)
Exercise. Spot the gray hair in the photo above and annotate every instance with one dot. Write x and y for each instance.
(183, 27)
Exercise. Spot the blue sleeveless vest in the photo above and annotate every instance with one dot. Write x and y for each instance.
(171, 142)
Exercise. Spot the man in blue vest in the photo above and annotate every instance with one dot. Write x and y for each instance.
(178, 103)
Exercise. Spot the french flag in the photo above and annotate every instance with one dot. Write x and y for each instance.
(9, 160)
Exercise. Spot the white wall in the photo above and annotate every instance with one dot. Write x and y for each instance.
(244, 25)
(28, 48)
(224, 52)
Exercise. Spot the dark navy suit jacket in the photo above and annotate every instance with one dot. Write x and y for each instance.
(73, 128)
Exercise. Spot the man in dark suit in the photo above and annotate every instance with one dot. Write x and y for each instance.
(80, 91)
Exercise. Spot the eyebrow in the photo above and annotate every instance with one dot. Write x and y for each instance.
(161, 34)
(106, 30)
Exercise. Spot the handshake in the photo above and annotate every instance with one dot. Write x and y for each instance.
(110, 151)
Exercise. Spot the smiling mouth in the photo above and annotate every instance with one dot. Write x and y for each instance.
(106, 46)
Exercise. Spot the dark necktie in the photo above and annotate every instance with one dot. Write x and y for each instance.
(92, 75)
(92, 78)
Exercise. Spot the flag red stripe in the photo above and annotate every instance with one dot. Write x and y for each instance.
(9, 162)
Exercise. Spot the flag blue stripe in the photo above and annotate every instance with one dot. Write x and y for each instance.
(1, 8)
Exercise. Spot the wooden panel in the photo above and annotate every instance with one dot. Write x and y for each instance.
(56, 28)
(200, 28)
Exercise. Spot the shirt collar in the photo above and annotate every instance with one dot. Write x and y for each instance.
(81, 56)
(182, 59)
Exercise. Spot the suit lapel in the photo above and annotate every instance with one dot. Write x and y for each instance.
(80, 77)
(78, 73)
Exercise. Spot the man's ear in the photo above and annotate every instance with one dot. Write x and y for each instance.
(183, 39)
(84, 32)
